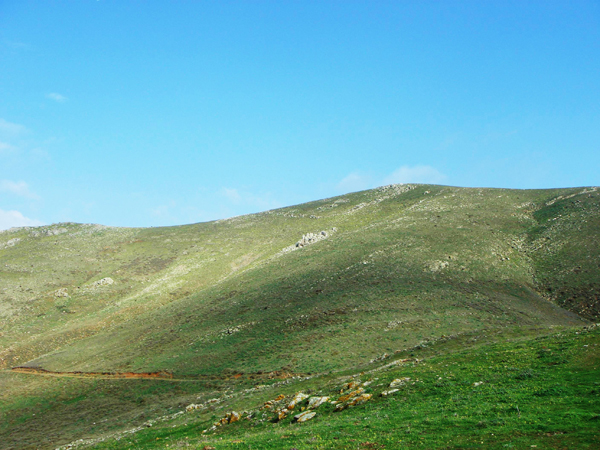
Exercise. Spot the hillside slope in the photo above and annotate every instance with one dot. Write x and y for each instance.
(323, 286)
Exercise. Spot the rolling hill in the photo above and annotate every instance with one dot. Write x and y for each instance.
(294, 295)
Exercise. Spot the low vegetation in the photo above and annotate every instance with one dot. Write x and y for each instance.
(468, 285)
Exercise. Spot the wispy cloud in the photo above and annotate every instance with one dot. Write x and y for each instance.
(9, 219)
(357, 181)
(232, 195)
(11, 129)
(6, 148)
(415, 174)
(164, 210)
(56, 97)
(243, 198)
(19, 188)
(14, 45)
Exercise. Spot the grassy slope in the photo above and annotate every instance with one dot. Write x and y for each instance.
(536, 392)
(220, 298)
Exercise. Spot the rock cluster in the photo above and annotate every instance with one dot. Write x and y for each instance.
(48, 232)
(399, 382)
(62, 292)
(395, 384)
(309, 238)
(230, 417)
(10, 243)
(103, 282)
(353, 395)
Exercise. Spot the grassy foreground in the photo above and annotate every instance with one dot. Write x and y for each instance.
(536, 391)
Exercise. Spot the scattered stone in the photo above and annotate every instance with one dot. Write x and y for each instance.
(351, 385)
(437, 266)
(315, 402)
(103, 282)
(309, 238)
(363, 398)
(380, 358)
(348, 396)
(390, 392)
(303, 417)
(282, 414)
(48, 232)
(297, 399)
(62, 292)
(399, 382)
(12, 242)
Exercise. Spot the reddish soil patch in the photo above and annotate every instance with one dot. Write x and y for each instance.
(40, 371)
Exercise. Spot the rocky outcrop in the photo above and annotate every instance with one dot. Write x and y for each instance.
(10, 243)
(308, 239)
(48, 232)
(62, 292)
(103, 282)
(311, 238)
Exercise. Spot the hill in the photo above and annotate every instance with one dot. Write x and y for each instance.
(318, 288)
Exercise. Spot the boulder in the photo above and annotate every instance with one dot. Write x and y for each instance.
(282, 414)
(389, 392)
(350, 395)
(363, 398)
(315, 402)
(297, 399)
(303, 417)
(399, 382)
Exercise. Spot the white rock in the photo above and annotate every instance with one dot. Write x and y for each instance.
(303, 417)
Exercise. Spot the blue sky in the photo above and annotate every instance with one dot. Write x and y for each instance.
(160, 113)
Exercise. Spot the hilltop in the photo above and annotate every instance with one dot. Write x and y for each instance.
(326, 287)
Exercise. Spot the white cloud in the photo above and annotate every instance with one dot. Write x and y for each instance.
(232, 195)
(19, 188)
(14, 45)
(355, 182)
(39, 154)
(243, 198)
(160, 211)
(9, 128)
(6, 148)
(56, 97)
(9, 219)
(164, 210)
(415, 174)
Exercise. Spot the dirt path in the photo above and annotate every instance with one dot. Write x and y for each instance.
(160, 376)
(103, 375)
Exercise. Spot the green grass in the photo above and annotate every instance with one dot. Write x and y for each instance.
(542, 392)
(402, 266)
